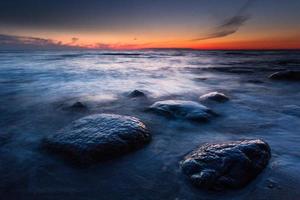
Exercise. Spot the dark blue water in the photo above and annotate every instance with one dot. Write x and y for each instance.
(37, 87)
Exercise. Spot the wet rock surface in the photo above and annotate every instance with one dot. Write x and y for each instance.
(136, 93)
(214, 96)
(98, 137)
(226, 165)
(189, 110)
(288, 75)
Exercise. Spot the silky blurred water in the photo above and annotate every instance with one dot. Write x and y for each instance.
(37, 88)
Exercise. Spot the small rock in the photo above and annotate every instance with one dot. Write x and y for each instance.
(214, 96)
(98, 137)
(288, 75)
(183, 109)
(136, 93)
(226, 165)
(255, 81)
(78, 105)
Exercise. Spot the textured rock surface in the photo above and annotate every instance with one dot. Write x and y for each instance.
(214, 96)
(288, 75)
(97, 137)
(183, 109)
(136, 93)
(226, 165)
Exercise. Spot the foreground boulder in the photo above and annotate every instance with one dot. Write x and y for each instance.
(214, 96)
(226, 165)
(288, 75)
(98, 137)
(183, 109)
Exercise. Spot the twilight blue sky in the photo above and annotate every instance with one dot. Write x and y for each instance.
(151, 23)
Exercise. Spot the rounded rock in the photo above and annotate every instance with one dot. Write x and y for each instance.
(97, 137)
(214, 96)
(183, 109)
(136, 93)
(288, 75)
(226, 165)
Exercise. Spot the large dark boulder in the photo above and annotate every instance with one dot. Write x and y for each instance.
(288, 75)
(183, 109)
(226, 165)
(98, 137)
(214, 96)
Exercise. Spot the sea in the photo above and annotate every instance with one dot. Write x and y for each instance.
(38, 89)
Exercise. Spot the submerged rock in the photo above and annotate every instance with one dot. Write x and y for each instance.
(136, 93)
(214, 96)
(288, 75)
(98, 137)
(183, 109)
(226, 165)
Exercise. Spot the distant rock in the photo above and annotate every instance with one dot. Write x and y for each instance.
(214, 96)
(136, 93)
(98, 137)
(78, 105)
(288, 75)
(254, 81)
(226, 165)
(183, 109)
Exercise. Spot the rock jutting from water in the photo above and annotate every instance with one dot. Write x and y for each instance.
(78, 106)
(226, 165)
(98, 137)
(288, 75)
(214, 96)
(136, 93)
(189, 110)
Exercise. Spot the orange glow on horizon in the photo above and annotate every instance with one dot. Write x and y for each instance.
(205, 45)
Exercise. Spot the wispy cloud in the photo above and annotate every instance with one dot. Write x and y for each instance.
(24, 42)
(230, 25)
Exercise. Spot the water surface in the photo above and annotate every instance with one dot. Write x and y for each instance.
(37, 87)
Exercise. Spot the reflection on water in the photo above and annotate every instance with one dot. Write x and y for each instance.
(36, 86)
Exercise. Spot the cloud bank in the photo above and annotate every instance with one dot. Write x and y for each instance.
(24, 42)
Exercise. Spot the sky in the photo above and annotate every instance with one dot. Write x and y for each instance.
(137, 24)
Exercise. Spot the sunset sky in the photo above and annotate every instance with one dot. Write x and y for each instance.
(134, 24)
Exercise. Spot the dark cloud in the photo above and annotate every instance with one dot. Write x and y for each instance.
(23, 42)
(231, 25)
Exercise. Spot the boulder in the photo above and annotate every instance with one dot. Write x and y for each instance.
(98, 137)
(214, 96)
(183, 109)
(226, 165)
(136, 93)
(288, 75)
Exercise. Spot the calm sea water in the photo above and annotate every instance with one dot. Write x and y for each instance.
(37, 87)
